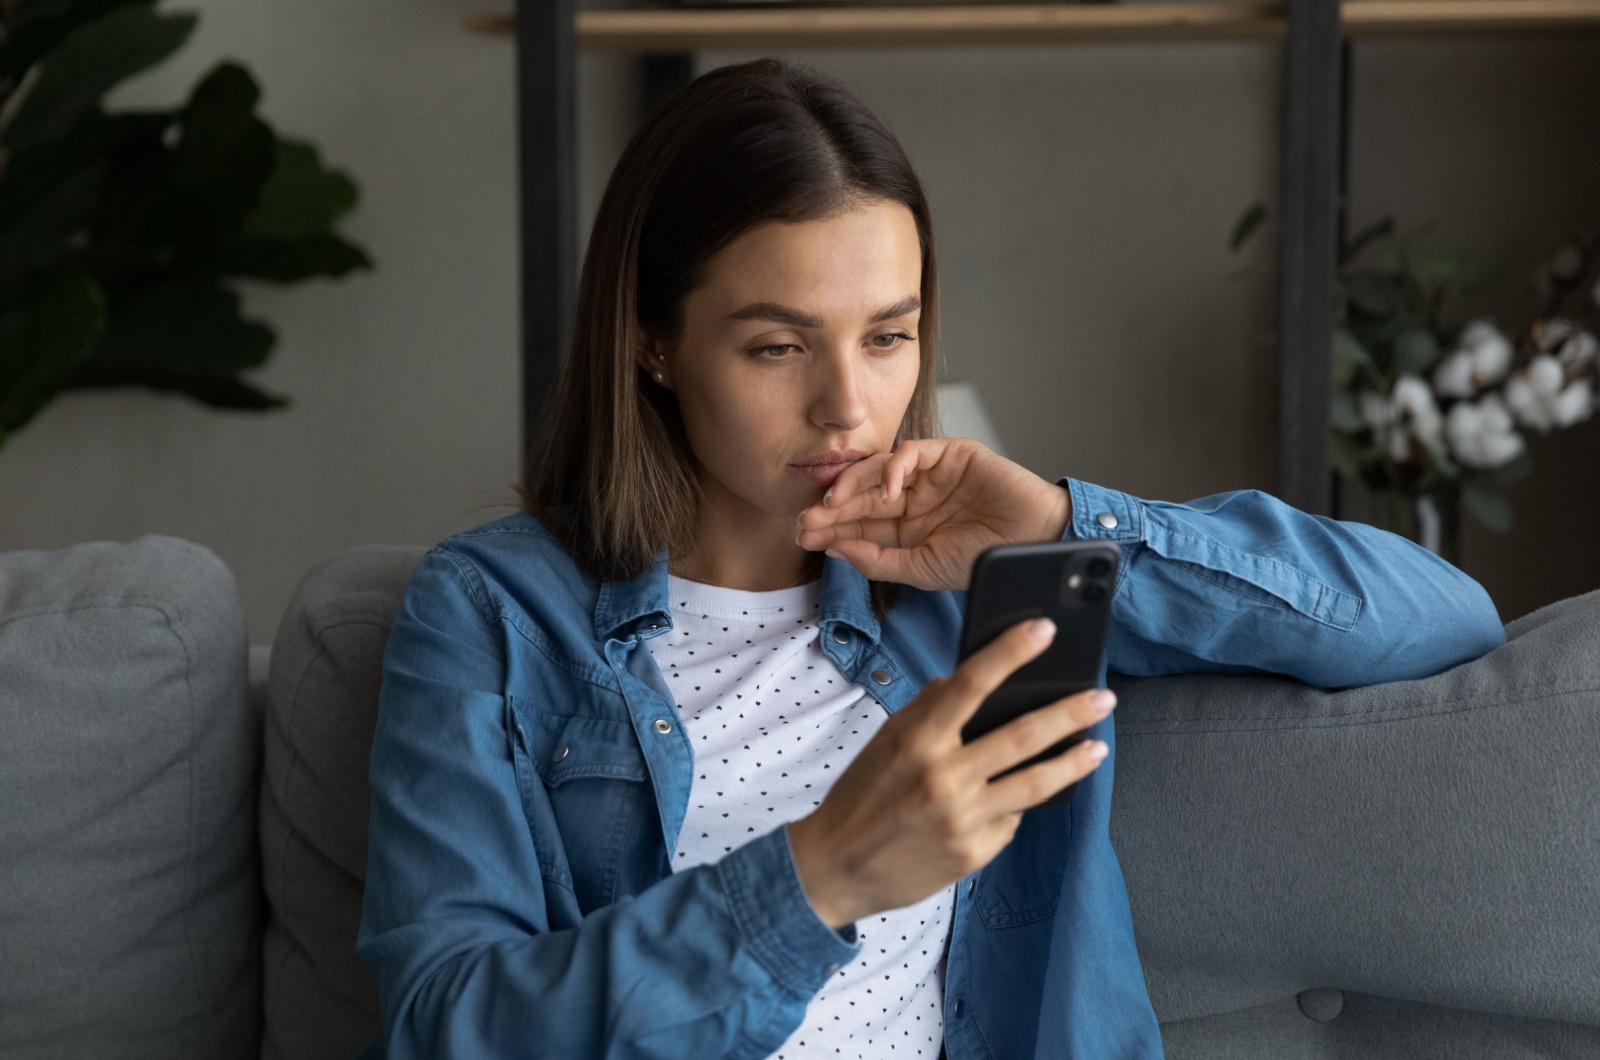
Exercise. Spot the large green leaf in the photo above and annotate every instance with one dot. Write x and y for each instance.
(36, 26)
(192, 329)
(55, 225)
(289, 260)
(88, 63)
(43, 341)
(224, 151)
(300, 197)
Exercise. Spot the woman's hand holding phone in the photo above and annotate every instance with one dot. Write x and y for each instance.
(916, 811)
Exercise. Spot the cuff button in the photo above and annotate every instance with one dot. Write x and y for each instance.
(1107, 520)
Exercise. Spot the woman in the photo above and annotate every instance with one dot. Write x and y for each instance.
(669, 765)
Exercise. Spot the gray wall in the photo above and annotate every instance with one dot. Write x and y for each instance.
(1083, 198)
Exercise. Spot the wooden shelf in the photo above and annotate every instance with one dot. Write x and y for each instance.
(693, 29)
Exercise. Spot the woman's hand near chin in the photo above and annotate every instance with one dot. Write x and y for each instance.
(922, 514)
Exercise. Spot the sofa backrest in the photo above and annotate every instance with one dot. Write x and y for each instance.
(1398, 870)
(322, 705)
(130, 898)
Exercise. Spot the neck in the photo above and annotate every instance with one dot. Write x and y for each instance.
(740, 547)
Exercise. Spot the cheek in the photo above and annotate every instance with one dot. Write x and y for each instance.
(739, 423)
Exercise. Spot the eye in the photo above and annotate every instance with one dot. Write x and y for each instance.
(780, 347)
(898, 336)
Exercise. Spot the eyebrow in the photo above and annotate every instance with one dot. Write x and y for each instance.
(801, 319)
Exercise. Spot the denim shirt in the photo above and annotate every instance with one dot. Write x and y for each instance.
(520, 900)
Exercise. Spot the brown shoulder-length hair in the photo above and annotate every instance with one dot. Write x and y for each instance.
(609, 469)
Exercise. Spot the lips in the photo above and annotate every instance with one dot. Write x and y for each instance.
(823, 468)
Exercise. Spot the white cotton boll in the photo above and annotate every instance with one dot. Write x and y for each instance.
(1491, 359)
(1477, 333)
(1526, 403)
(1412, 395)
(1579, 350)
(1552, 333)
(1481, 435)
(1546, 376)
(1461, 426)
(1575, 403)
(1453, 377)
(1498, 449)
(1493, 415)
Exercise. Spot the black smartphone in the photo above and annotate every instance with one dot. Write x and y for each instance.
(1069, 581)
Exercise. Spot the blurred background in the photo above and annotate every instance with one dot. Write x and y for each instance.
(1084, 197)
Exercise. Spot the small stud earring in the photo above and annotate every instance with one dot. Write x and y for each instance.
(658, 377)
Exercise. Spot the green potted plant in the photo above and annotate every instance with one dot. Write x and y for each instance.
(123, 234)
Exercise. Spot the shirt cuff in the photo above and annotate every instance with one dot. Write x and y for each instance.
(776, 919)
(1102, 514)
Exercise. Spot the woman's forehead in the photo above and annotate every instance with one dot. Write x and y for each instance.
(856, 264)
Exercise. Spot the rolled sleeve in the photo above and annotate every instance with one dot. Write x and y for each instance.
(775, 918)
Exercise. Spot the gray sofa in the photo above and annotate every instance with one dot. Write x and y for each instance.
(1405, 870)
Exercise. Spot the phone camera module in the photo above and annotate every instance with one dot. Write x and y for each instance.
(1099, 566)
(1094, 592)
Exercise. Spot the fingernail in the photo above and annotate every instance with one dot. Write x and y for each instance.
(834, 554)
(1103, 700)
(1041, 629)
(1097, 750)
(827, 498)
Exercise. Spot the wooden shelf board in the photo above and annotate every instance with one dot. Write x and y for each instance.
(693, 29)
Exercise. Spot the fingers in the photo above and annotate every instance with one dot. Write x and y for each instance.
(1031, 786)
(870, 486)
(983, 671)
(1025, 736)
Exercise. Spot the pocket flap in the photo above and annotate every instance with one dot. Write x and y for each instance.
(576, 747)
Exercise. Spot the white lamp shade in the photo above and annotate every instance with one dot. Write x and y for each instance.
(962, 415)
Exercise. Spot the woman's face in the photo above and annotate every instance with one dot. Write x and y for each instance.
(800, 347)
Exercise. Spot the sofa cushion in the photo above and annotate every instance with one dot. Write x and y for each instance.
(322, 708)
(1428, 850)
(130, 905)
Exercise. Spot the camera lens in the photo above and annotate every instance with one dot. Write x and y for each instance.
(1098, 566)
(1094, 591)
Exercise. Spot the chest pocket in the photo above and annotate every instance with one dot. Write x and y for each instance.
(596, 797)
(576, 748)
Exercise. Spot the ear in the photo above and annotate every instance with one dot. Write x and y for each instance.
(649, 354)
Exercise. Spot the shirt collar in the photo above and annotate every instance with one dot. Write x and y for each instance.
(846, 599)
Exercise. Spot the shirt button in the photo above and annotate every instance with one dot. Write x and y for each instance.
(961, 1006)
(881, 676)
(1107, 520)
(971, 885)
(661, 725)
(841, 635)
(561, 752)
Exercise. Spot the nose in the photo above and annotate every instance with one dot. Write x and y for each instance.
(840, 391)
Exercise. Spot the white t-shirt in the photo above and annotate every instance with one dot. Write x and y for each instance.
(773, 722)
